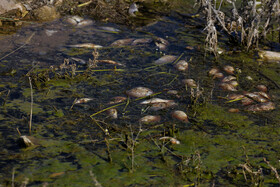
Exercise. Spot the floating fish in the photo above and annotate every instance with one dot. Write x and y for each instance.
(228, 87)
(86, 45)
(139, 92)
(161, 106)
(190, 83)
(182, 65)
(112, 113)
(180, 115)
(262, 88)
(117, 99)
(80, 61)
(161, 43)
(261, 107)
(122, 42)
(229, 69)
(150, 119)
(213, 71)
(110, 62)
(256, 96)
(110, 29)
(172, 140)
(132, 9)
(155, 100)
(229, 78)
(166, 59)
(141, 41)
(82, 100)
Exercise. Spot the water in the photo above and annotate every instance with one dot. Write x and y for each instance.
(77, 150)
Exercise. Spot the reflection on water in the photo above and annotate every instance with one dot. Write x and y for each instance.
(79, 132)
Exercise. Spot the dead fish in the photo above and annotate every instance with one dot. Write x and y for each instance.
(155, 100)
(50, 32)
(122, 42)
(161, 43)
(213, 71)
(180, 115)
(269, 55)
(166, 59)
(233, 110)
(160, 106)
(74, 20)
(247, 101)
(229, 78)
(142, 41)
(262, 88)
(132, 9)
(256, 97)
(85, 23)
(218, 75)
(139, 92)
(117, 99)
(110, 29)
(190, 83)
(110, 62)
(182, 65)
(233, 83)
(229, 69)
(172, 140)
(236, 96)
(86, 45)
(228, 87)
(112, 113)
(82, 100)
(150, 119)
(173, 92)
(78, 60)
(261, 107)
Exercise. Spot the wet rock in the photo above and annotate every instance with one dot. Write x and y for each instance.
(7, 5)
(28, 141)
(46, 13)
(139, 92)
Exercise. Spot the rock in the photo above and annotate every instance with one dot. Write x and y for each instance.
(46, 13)
(7, 5)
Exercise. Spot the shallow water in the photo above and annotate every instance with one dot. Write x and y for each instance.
(77, 150)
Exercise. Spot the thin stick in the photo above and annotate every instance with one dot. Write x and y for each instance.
(18, 132)
(26, 42)
(31, 106)
(273, 169)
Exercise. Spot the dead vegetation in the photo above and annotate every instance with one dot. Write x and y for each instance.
(247, 23)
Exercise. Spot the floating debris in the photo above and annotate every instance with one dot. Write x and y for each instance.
(172, 140)
(122, 42)
(182, 65)
(180, 115)
(117, 99)
(86, 45)
(139, 92)
(150, 119)
(112, 113)
(82, 100)
(166, 59)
